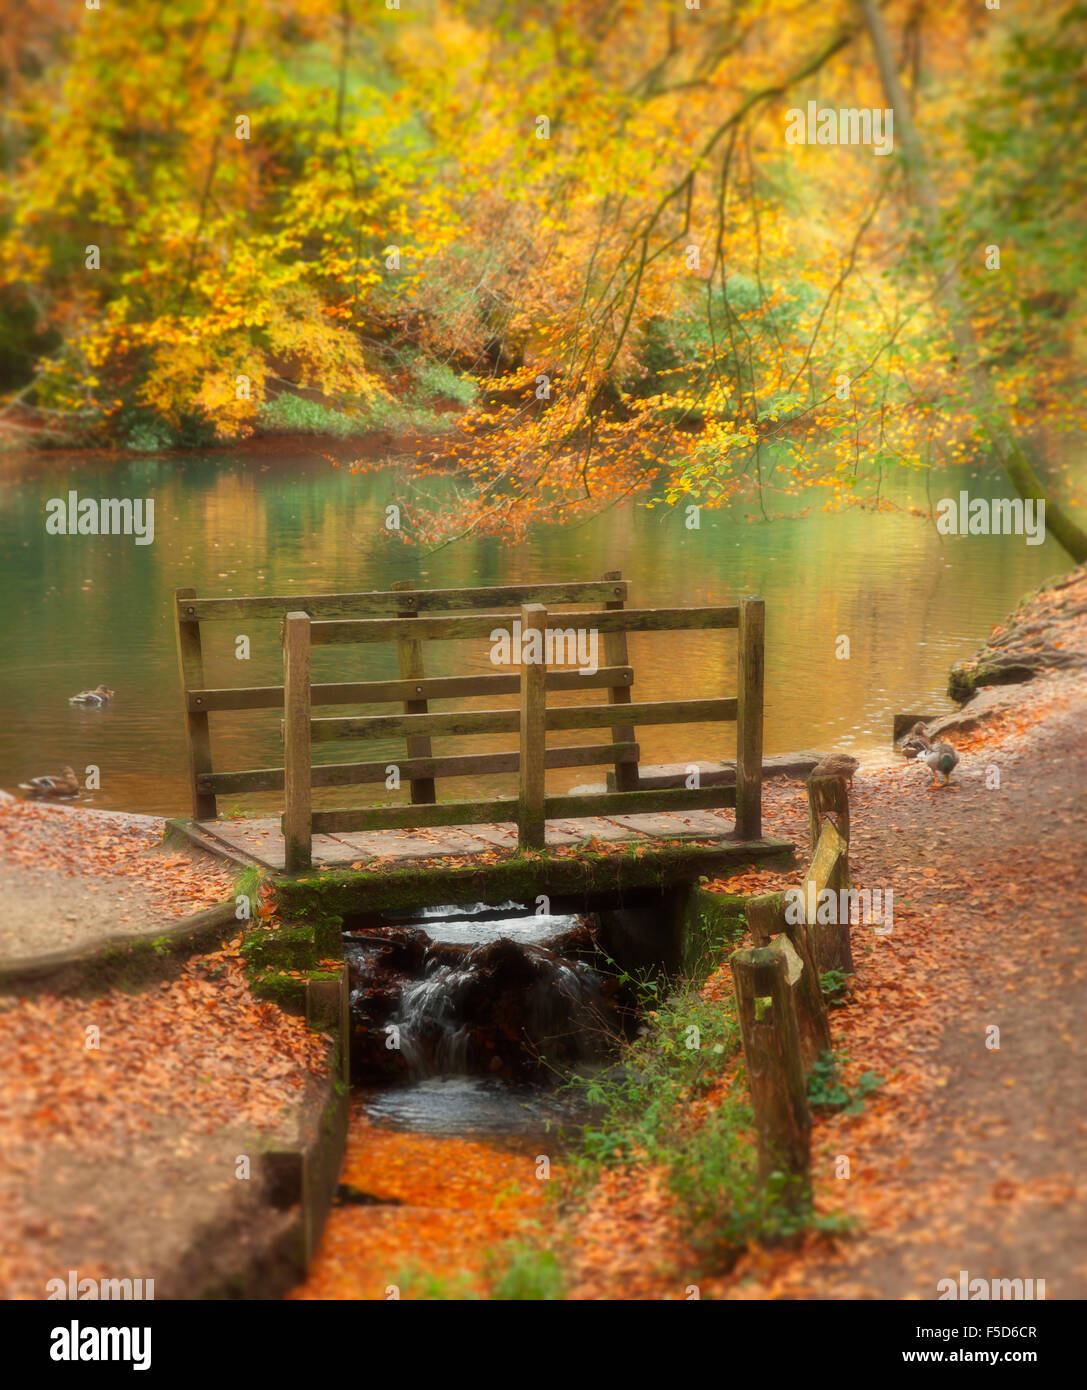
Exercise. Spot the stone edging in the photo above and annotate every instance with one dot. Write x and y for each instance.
(298, 1183)
(120, 960)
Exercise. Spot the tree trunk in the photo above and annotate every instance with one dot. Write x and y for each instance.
(1009, 452)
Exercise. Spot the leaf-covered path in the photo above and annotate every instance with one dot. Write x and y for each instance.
(972, 1156)
(70, 877)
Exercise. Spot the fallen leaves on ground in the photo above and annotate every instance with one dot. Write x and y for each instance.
(93, 847)
(450, 1203)
(182, 1060)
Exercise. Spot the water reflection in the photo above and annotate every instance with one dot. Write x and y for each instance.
(81, 610)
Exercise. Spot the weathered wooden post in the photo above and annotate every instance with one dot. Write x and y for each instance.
(616, 654)
(828, 832)
(770, 926)
(830, 938)
(297, 821)
(190, 659)
(827, 796)
(765, 917)
(749, 720)
(409, 653)
(775, 1070)
(531, 820)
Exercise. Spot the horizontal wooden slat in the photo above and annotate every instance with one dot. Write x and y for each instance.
(641, 712)
(505, 721)
(635, 803)
(505, 809)
(415, 817)
(480, 628)
(270, 779)
(479, 721)
(379, 601)
(430, 688)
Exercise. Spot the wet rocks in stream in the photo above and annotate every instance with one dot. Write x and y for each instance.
(502, 1007)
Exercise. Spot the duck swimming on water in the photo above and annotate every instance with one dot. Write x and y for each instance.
(67, 784)
(100, 695)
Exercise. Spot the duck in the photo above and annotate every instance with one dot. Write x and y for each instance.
(941, 757)
(100, 695)
(67, 784)
(915, 743)
(836, 765)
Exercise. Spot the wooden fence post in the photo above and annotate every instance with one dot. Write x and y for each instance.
(827, 796)
(409, 654)
(749, 720)
(190, 659)
(297, 810)
(765, 917)
(531, 821)
(616, 654)
(830, 940)
(768, 922)
(775, 1070)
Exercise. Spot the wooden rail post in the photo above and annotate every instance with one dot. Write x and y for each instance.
(749, 720)
(829, 869)
(765, 917)
(615, 654)
(297, 809)
(827, 796)
(775, 1070)
(531, 822)
(769, 924)
(410, 657)
(191, 661)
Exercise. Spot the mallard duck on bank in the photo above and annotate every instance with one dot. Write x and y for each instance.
(67, 784)
(916, 743)
(941, 758)
(836, 765)
(100, 695)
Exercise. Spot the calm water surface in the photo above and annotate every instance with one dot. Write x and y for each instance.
(79, 610)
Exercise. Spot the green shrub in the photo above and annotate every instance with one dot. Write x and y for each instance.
(300, 415)
(826, 1092)
(639, 1103)
(528, 1272)
(438, 379)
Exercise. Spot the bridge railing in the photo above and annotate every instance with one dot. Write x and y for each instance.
(422, 616)
(401, 601)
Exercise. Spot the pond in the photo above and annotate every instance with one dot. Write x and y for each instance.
(83, 610)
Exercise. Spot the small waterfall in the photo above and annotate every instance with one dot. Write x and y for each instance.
(511, 997)
(433, 1038)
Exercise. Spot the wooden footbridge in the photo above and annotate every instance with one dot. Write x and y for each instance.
(544, 632)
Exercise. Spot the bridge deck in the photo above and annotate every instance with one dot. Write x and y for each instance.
(260, 840)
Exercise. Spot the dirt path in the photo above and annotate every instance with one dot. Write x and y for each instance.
(71, 877)
(122, 1121)
(971, 1158)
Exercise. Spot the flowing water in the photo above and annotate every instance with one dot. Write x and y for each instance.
(84, 610)
(472, 1013)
